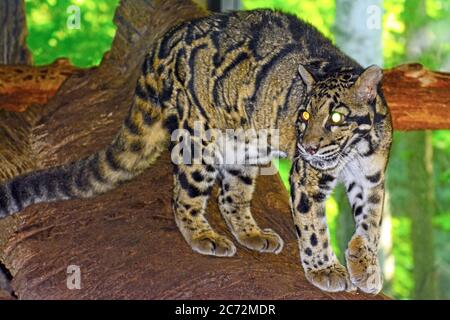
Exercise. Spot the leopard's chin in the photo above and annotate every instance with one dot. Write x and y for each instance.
(322, 164)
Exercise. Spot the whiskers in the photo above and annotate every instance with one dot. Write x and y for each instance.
(321, 160)
(331, 156)
(330, 159)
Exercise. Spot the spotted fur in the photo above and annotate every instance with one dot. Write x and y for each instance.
(248, 70)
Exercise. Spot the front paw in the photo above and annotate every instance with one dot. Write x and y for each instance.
(363, 267)
(265, 240)
(214, 244)
(333, 278)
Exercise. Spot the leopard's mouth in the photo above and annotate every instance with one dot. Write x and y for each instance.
(318, 161)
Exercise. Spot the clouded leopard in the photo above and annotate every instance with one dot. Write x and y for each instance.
(248, 70)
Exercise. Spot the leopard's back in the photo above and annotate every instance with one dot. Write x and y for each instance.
(240, 67)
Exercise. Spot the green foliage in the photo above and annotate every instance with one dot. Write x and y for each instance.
(441, 171)
(49, 36)
(442, 221)
(423, 37)
(431, 42)
(442, 263)
(284, 167)
(402, 284)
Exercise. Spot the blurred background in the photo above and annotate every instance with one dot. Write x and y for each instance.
(415, 244)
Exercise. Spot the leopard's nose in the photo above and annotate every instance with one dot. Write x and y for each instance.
(312, 148)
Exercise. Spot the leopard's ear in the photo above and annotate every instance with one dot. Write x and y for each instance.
(367, 83)
(307, 77)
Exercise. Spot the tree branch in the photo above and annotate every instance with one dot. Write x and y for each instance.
(419, 99)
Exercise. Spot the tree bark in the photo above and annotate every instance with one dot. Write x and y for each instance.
(13, 48)
(419, 99)
(22, 86)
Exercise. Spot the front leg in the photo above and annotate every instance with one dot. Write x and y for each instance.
(309, 190)
(364, 180)
(238, 185)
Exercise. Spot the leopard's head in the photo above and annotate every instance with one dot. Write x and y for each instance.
(338, 113)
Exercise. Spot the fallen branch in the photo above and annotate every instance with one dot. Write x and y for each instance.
(22, 86)
(419, 99)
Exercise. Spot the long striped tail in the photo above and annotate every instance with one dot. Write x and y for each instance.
(96, 174)
(137, 145)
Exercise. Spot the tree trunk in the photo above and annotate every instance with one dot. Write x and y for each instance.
(13, 48)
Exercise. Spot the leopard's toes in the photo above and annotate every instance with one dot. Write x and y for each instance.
(363, 267)
(332, 279)
(265, 240)
(213, 244)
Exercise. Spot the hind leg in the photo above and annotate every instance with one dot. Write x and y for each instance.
(193, 184)
(234, 202)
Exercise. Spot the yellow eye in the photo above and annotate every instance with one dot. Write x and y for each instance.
(305, 115)
(337, 117)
